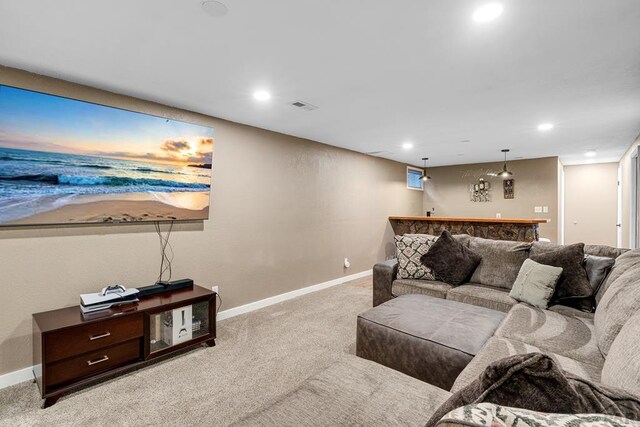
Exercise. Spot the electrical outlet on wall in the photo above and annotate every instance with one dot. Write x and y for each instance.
(545, 209)
(537, 209)
(214, 289)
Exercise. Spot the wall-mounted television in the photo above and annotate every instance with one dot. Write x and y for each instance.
(65, 161)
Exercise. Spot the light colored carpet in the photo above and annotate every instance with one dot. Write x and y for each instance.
(258, 357)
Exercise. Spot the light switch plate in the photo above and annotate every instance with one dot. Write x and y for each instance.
(545, 209)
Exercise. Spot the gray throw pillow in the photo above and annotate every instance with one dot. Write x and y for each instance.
(409, 249)
(573, 282)
(452, 262)
(535, 283)
(534, 381)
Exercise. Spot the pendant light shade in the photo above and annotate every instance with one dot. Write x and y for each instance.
(505, 172)
(425, 177)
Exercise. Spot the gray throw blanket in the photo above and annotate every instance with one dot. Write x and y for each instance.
(534, 381)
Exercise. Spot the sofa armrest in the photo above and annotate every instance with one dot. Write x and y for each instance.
(384, 274)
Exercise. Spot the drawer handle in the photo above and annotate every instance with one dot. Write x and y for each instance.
(95, 362)
(97, 337)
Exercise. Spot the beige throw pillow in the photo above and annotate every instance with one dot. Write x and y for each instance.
(535, 283)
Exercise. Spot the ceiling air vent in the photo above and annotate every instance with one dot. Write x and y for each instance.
(304, 105)
(379, 153)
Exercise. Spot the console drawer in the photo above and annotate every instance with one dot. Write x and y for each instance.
(93, 336)
(92, 363)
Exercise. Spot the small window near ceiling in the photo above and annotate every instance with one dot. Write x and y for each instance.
(414, 178)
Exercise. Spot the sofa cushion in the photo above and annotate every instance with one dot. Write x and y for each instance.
(498, 348)
(432, 288)
(500, 263)
(492, 415)
(574, 281)
(408, 253)
(619, 303)
(535, 283)
(352, 391)
(482, 296)
(415, 333)
(622, 365)
(629, 260)
(568, 336)
(450, 260)
(604, 251)
(534, 381)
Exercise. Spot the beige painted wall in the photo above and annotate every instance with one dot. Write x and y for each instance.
(286, 211)
(536, 184)
(626, 191)
(591, 204)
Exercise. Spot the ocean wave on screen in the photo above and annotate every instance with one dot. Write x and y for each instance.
(151, 170)
(96, 166)
(110, 181)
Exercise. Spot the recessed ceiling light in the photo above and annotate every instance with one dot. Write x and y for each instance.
(214, 8)
(545, 126)
(590, 153)
(487, 12)
(262, 95)
(407, 146)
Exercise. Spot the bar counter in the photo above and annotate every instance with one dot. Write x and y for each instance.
(519, 229)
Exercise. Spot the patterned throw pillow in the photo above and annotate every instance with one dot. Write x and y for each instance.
(491, 415)
(409, 249)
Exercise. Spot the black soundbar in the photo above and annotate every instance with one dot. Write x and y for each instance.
(159, 288)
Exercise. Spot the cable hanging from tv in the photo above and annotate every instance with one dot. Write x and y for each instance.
(166, 254)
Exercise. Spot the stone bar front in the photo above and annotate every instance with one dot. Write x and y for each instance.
(523, 230)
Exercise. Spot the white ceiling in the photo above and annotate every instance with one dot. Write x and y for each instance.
(382, 72)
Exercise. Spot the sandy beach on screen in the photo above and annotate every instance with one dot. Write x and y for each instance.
(106, 211)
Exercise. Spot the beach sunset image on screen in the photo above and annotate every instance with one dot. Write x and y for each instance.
(64, 161)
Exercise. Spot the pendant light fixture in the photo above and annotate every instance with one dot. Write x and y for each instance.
(425, 177)
(505, 173)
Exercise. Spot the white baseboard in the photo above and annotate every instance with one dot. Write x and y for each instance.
(225, 314)
(16, 377)
(26, 374)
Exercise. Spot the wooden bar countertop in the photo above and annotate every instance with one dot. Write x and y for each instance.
(479, 220)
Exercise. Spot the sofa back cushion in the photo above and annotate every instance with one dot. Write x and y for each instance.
(604, 250)
(622, 366)
(623, 263)
(620, 301)
(501, 261)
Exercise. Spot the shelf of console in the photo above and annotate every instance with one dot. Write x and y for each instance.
(72, 350)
